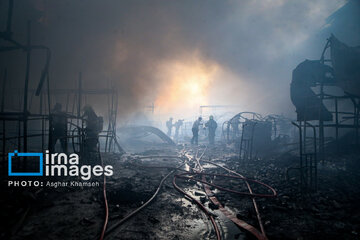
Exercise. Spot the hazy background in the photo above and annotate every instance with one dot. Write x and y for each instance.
(178, 54)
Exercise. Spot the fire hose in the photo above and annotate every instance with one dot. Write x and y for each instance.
(242, 224)
(192, 176)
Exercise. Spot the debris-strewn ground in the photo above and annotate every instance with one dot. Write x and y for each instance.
(78, 213)
(330, 213)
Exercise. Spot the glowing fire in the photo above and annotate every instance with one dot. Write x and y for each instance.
(186, 85)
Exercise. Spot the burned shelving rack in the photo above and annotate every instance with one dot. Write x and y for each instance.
(18, 137)
(240, 129)
(344, 119)
(307, 167)
(75, 122)
(78, 98)
(21, 117)
(231, 128)
(247, 139)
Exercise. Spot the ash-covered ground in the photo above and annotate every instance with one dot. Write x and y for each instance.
(79, 212)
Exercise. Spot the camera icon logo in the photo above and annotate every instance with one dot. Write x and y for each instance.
(16, 153)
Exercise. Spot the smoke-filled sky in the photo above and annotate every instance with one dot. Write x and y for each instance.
(176, 54)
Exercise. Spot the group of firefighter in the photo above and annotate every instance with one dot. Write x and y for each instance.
(210, 125)
(93, 126)
(90, 131)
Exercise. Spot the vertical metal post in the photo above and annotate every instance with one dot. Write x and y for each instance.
(115, 114)
(10, 11)
(42, 121)
(315, 158)
(241, 140)
(357, 125)
(81, 139)
(321, 126)
(73, 108)
(19, 135)
(74, 104)
(355, 102)
(79, 95)
(67, 102)
(26, 87)
(41, 103)
(3, 143)
(50, 142)
(3, 91)
(275, 129)
(336, 124)
(112, 121)
(80, 132)
(49, 110)
(301, 157)
(305, 137)
(109, 124)
(336, 118)
(321, 121)
(48, 92)
(3, 121)
(356, 121)
(252, 139)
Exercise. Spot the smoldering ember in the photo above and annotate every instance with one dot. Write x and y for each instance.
(180, 119)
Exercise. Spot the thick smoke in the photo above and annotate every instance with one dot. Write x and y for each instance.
(236, 52)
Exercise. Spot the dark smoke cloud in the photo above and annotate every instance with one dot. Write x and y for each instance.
(257, 43)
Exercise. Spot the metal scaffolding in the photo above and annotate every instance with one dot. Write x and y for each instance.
(16, 131)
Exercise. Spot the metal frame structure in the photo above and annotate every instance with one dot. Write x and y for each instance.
(242, 128)
(307, 158)
(235, 130)
(75, 120)
(342, 117)
(246, 144)
(229, 133)
(6, 35)
(22, 118)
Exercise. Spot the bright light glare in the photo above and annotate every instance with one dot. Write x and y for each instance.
(186, 86)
